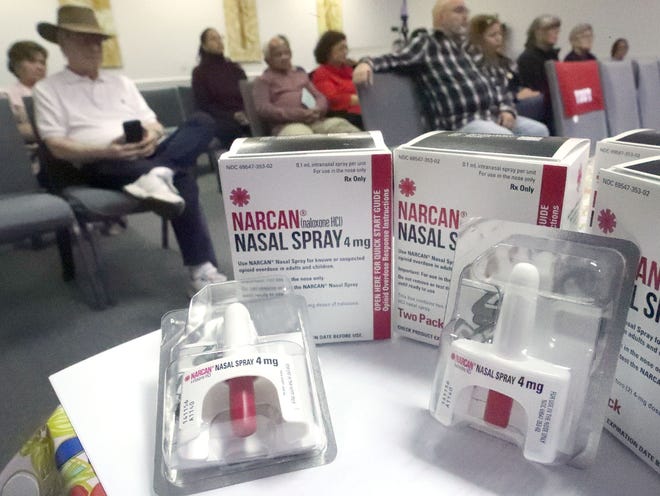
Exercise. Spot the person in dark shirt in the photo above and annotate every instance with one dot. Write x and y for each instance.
(619, 49)
(542, 36)
(215, 87)
(581, 38)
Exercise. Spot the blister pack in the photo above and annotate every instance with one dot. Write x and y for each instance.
(529, 353)
(240, 393)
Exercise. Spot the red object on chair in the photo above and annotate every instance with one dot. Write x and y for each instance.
(579, 85)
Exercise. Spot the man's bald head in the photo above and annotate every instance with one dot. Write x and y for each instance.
(277, 53)
(451, 17)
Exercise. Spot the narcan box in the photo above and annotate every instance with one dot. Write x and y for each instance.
(626, 147)
(442, 179)
(628, 206)
(318, 210)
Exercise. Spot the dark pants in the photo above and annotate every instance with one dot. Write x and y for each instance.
(178, 152)
(228, 129)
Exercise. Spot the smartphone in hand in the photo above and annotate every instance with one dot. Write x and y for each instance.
(133, 131)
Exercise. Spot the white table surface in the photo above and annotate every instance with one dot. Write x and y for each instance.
(387, 441)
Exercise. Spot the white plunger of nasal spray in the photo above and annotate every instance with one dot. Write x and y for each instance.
(514, 324)
(517, 313)
(238, 332)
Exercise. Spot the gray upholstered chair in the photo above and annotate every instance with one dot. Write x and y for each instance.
(187, 99)
(257, 126)
(592, 125)
(392, 105)
(166, 104)
(648, 92)
(189, 106)
(26, 211)
(620, 96)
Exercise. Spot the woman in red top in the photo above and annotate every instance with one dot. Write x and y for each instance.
(334, 77)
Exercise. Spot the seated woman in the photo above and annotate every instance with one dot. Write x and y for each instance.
(215, 87)
(334, 77)
(619, 49)
(26, 61)
(485, 44)
(581, 38)
(542, 36)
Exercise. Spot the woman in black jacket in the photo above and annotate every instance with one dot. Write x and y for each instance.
(215, 86)
(542, 36)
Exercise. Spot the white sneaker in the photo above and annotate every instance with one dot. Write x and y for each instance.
(203, 275)
(158, 193)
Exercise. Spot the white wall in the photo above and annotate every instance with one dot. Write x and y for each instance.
(159, 39)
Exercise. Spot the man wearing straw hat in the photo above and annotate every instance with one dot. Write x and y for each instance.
(80, 113)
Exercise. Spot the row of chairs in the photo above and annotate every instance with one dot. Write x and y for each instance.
(26, 211)
(630, 92)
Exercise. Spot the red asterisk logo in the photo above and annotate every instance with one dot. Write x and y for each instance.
(407, 187)
(606, 221)
(239, 197)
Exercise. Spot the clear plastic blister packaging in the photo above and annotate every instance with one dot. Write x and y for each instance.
(537, 317)
(240, 389)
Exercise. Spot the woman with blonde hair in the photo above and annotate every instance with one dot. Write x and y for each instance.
(485, 45)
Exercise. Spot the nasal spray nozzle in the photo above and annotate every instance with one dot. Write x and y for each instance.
(517, 312)
(516, 318)
(509, 374)
(239, 331)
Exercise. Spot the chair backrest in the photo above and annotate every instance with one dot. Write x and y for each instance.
(166, 104)
(392, 105)
(14, 157)
(54, 174)
(620, 96)
(257, 126)
(592, 125)
(187, 99)
(648, 92)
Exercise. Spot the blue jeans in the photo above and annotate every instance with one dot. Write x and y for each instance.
(179, 152)
(524, 127)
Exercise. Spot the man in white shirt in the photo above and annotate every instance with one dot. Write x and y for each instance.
(80, 113)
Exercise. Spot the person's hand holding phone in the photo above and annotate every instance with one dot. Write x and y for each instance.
(133, 131)
(137, 142)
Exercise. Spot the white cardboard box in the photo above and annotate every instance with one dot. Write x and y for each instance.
(625, 147)
(316, 209)
(441, 179)
(628, 206)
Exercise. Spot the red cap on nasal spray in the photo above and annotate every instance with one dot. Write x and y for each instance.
(239, 331)
(516, 318)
